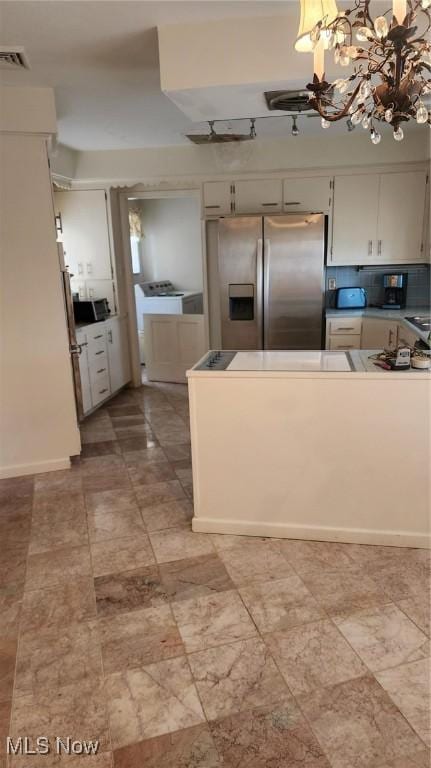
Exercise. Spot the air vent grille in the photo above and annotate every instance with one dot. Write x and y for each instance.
(287, 101)
(13, 58)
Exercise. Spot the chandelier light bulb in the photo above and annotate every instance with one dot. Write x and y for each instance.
(327, 37)
(340, 37)
(357, 117)
(366, 122)
(325, 123)
(363, 34)
(399, 134)
(381, 27)
(421, 113)
(425, 4)
(344, 56)
(389, 115)
(353, 51)
(375, 137)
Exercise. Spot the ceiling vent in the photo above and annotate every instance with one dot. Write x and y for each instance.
(288, 101)
(13, 57)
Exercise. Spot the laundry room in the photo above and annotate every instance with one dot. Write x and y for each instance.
(167, 280)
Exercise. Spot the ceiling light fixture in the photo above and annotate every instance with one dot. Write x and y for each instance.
(391, 64)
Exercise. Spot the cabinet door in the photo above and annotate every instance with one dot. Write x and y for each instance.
(85, 233)
(260, 195)
(378, 334)
(307, 195)
(354, 236)
(118, 352)
(217, 198)
(401, 218)
(406, 337)
(84, 373)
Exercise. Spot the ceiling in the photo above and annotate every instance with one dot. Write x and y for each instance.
(101, 57)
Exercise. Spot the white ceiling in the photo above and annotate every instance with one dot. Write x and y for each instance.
(101, 57)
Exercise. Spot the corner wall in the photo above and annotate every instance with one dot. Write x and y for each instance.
(38, 425)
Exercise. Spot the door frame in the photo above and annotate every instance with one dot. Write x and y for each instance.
(145, 194)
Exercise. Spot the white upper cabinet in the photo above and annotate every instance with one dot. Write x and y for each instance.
(310, 195)
(400, 235)
(85, 233)
(217, 198)
(354, 235)
(258, 196)
(379, 219)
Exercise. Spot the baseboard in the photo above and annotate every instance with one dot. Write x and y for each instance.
(312, 533)
(16, 470)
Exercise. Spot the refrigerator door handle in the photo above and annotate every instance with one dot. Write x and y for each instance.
(266, 278)
(259, 289)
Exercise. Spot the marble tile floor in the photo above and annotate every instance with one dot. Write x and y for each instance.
(183, 650)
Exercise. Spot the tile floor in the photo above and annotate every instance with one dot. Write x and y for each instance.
(183, 650)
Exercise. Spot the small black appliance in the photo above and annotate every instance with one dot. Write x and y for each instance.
(91, 311)
(395, 290)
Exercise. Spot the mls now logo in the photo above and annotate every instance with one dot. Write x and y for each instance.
(42, 746)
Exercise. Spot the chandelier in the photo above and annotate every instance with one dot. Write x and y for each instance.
(390, 56)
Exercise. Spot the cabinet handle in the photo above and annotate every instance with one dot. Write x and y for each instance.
(370, 247)
(100, 336)
(346, 328)
(264, 205)
(80, 268)
(212, 206)
(110, 337)
(346, 346)
(101, 391)
(379, 247)
(293, 203)
(59, 224)
(100, 353)
(391, 333)
(101, 370)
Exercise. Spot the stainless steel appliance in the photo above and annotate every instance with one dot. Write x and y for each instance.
(74, 347)
(423, 322)
(395, 290)
(91, 311)
(271, 286)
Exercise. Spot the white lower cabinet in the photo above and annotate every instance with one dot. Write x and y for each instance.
(118, 352)
(103, 361)
(343, 332)
(406, 337)
(379, 334)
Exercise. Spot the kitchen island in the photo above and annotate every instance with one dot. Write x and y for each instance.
(310, 445)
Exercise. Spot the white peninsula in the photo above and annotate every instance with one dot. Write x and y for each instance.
(310, 445)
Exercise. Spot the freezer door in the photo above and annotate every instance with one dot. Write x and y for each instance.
(294, 251)
(240, 273)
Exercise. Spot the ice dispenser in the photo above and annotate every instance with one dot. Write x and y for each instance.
(241, 301)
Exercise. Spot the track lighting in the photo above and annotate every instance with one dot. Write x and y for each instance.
(295, 129)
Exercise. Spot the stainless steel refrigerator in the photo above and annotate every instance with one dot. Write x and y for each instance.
(270, 275)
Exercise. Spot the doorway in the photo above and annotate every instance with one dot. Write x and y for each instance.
(165, 256)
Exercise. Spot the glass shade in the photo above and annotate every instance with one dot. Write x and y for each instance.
(313, 11)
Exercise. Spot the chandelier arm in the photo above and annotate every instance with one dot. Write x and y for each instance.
(339, 115)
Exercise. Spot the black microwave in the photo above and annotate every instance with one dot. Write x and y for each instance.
(91, 311)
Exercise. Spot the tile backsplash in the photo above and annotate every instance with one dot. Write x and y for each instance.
(371, 278)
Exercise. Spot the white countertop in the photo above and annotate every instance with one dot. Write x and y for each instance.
(289, 360)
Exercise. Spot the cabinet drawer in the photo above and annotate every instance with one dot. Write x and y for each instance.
(345, 325)
(100, 387)
(345, 342)
(98, 367)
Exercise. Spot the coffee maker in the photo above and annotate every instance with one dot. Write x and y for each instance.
(395, 290)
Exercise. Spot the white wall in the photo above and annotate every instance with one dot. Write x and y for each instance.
(172, 246)
(38, 427)
(324, 150)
